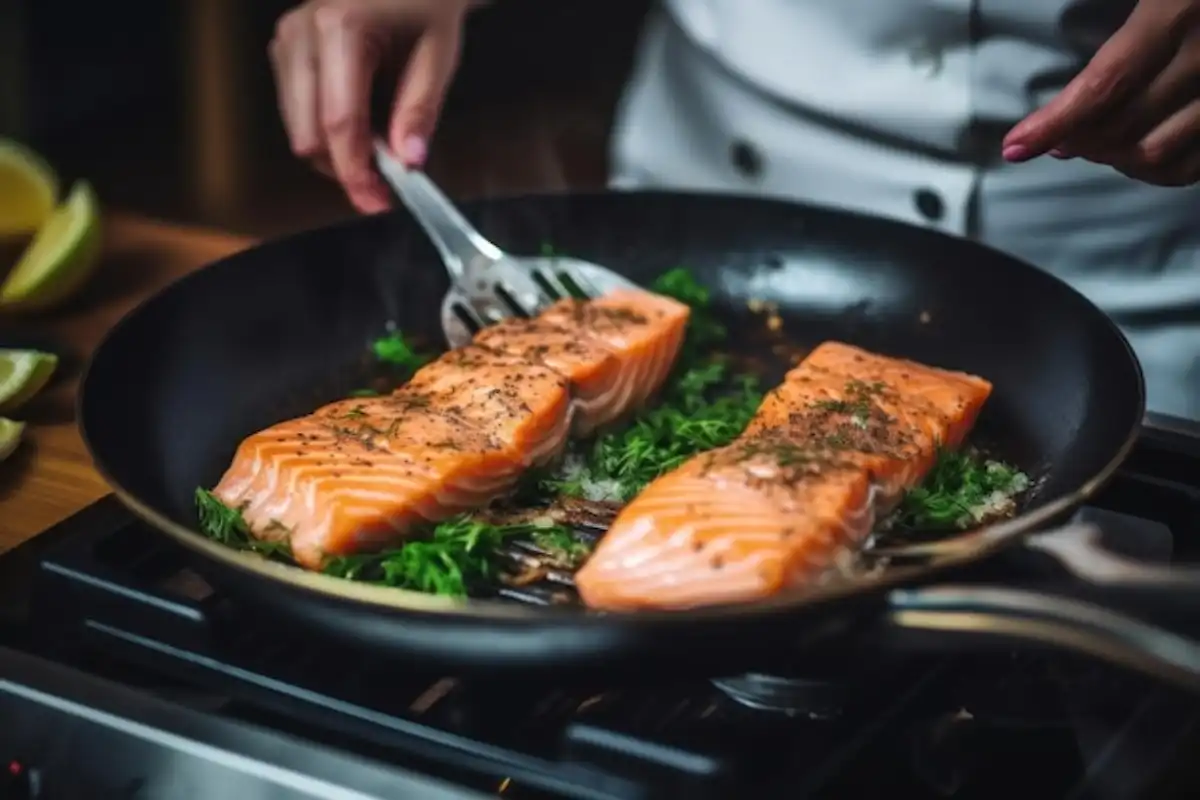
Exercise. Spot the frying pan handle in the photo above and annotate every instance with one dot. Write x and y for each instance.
(950, 615)
(1116, 580)
(461, 246)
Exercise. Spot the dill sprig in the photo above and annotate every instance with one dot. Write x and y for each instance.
(457, 554)
(446, 560)
(705, 331)
(704, 409)
(226, 525)
(961, 491)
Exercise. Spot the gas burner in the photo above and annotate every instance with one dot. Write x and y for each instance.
(815, 698)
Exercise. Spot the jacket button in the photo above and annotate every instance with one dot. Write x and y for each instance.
(746, 159)
(929, 204)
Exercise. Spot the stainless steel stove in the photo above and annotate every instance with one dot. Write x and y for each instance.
(123, 675)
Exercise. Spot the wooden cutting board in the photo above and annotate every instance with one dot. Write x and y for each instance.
(50, 476)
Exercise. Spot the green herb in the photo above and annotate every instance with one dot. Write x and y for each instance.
(704, 329)
(364, 393)
(457, 554)
(225, 525)
(960, 491)
(396, 350)
(703, 406)
(563, 545)
(689, 421)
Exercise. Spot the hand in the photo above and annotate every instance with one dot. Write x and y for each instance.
(1136, 106)
(326, 54)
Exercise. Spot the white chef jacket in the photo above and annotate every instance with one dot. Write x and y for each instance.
(897, 108)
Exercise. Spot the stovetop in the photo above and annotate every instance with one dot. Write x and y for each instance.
(122, 674)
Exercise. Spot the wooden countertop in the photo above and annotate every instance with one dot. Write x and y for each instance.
(51, 476)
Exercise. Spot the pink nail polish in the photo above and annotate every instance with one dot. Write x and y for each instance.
(414, 151)
(1015, 152)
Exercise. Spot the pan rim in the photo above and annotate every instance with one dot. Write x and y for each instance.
(978, 544)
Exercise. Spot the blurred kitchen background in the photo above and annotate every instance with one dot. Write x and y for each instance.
(168, 107)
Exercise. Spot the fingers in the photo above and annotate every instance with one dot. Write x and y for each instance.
(1175, 87)
(1172, 89)
(294, 62)
(1183, 172)
(1178, 135)
(324, 61)
(348, 60)
(1167, 156)
(421, 92)
(1125, 64)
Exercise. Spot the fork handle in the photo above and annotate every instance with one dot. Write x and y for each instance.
(460, 245)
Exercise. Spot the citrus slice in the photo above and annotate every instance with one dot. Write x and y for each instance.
(28, 190)
(63, 254)
(23, 373)
(10, 436)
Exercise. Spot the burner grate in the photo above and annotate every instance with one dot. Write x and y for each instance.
(116, 600)
(688, 739)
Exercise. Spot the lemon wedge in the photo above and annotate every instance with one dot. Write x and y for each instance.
(10, 436)
(23, 373)
(63, 254)
(28, 190)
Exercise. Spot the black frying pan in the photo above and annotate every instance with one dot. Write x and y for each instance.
(277, 330)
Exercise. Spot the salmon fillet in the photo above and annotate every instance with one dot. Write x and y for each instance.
(361, 474)
(616, 351)
(830, 450)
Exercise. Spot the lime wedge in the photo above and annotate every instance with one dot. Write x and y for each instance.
(63, 254)
(10, 436)
(28, 190)
(23, 373)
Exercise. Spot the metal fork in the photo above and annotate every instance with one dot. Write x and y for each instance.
(486, 283)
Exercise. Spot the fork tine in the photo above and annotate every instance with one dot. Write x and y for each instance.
(515, 284)
(554, 277)
(580, 280)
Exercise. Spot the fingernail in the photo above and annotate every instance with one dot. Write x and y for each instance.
(414, 151)
(1015, 152)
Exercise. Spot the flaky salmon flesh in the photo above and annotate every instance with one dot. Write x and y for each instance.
(830, 450)
(363, 474)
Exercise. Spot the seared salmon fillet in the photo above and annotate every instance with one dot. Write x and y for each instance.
(830, 449)
(890, 415)
(328, 487)
(644, 330)
(743, 522)
(616, 351)
(361, 474)
(591, 368)
(524, 406)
